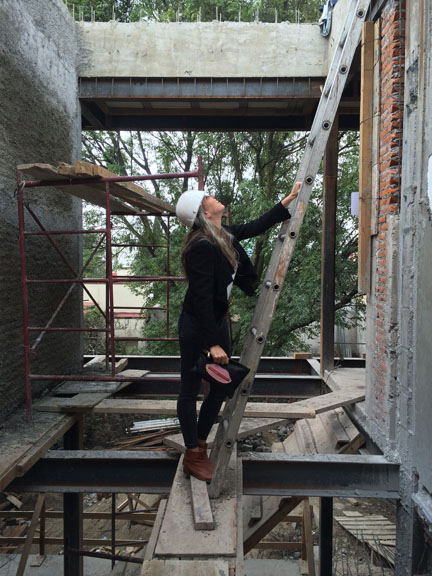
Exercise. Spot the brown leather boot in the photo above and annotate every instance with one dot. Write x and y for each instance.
(203, 446)
(197, 464)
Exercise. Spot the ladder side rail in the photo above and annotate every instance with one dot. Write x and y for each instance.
(282, 253)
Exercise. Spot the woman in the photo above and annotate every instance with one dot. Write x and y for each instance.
(213, 260)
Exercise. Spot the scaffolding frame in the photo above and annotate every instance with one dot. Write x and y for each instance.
(78, 276)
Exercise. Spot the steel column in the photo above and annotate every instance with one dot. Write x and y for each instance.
(24, 295)
(326, 537)
(328, 250)
(73, 511)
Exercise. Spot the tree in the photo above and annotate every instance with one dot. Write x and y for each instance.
(193, 10)
(249, 172)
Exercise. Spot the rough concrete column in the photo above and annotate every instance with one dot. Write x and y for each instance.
(40, 122)
(414, 359)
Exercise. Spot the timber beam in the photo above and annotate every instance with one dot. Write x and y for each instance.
(329, 475)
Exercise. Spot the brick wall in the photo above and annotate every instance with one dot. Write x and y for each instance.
(392, 47)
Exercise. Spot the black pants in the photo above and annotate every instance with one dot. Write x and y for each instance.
(191, 346)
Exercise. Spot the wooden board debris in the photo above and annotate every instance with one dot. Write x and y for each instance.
(178, 536)
(201, 508)
(247, 427)
(98, 364)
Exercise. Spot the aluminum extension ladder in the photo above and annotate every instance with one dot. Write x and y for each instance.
(269, 295)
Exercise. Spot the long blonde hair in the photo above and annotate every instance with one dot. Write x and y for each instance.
(204, 229)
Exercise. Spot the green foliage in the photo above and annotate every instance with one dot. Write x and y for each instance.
(193, 10)
(249, 172)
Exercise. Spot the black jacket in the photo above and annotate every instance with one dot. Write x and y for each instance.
(209, 273)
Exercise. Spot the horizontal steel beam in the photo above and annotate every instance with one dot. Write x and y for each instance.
(85, 471)
(201, 88)
(274, 474)
(180, 120)
(264, 386)
(331, 475)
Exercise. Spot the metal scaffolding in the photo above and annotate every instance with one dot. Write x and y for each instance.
(78, 278)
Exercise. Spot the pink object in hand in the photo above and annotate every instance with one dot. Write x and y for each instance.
(219, 373)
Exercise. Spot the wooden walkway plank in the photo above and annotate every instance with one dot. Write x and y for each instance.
(82, 402)
(296, 410)
(178, 537)
(20, 440)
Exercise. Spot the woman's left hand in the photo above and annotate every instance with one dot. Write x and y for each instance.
(292, 196)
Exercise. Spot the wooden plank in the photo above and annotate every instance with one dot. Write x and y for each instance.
(183, 567)
(98, 364)
(315, 365)
(131, 373)
(307, 530)
(365, 173)
(87, 192)
(302, 355)
(201, 509)
(296, 410)
(277, 545)
(169, 408)
(178, 536)
(74, 387)
(129, 191)
(18, 439)
(340, 379)
(83, 402)
(44, 444)
(149, 553)
(333, 423)
(30, 534)
(269, 521)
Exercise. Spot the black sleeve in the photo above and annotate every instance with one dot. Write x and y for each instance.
(200, 265)
(277, 214)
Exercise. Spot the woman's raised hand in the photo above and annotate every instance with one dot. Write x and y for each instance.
(219, 355)
(292, 195)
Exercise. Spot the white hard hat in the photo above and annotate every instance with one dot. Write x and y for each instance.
(188, 205)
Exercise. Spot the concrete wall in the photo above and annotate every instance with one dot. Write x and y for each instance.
(39, 122)
(205, 49)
